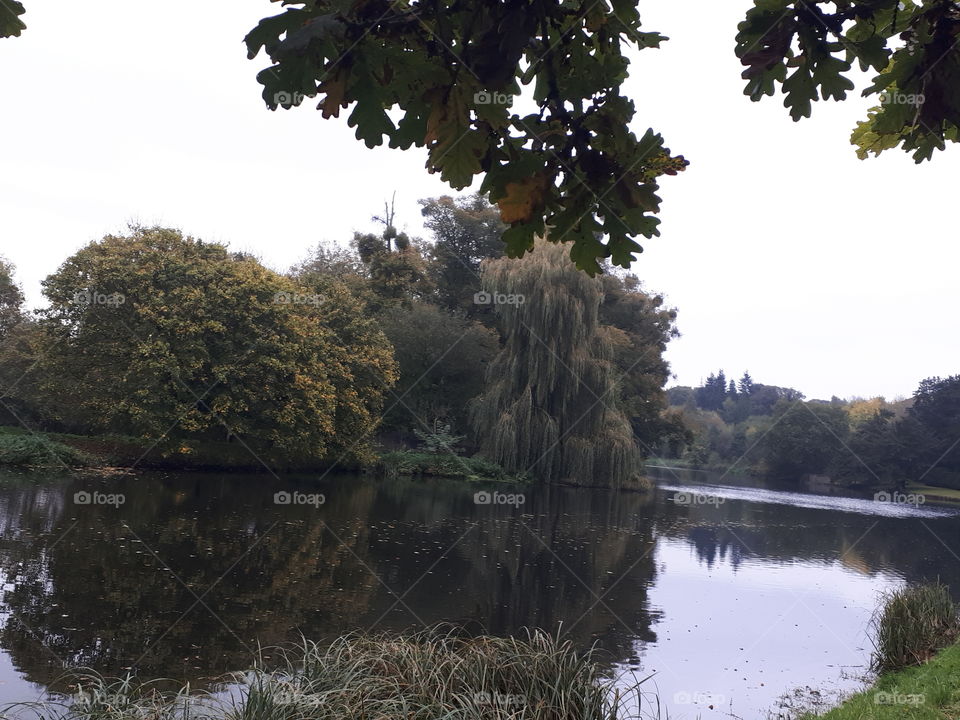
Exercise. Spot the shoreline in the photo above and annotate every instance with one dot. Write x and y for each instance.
(923, 692)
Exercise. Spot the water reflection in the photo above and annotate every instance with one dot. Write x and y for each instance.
(187, 576)
(192, 572)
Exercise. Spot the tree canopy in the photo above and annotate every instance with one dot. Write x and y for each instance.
(156, 332)
(443, 75)
(553, 402)
(11, 299)
(808, 48)
(466, 231)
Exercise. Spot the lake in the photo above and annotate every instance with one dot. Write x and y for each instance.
(735, 599)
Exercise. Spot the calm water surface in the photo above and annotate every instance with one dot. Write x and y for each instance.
(734, 598)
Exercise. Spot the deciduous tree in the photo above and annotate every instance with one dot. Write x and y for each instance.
(552, 405)
(155, 333)
(466, 231)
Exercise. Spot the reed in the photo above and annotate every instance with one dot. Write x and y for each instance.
(911, 625)
(432, 675)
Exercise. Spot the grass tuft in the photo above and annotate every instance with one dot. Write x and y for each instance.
(912, 624)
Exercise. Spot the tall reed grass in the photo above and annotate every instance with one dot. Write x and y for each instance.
(434, 675)
(911, 625)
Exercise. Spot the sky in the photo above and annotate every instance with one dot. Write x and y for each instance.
(784, 254)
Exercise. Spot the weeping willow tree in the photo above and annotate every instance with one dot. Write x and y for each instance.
(551, 404)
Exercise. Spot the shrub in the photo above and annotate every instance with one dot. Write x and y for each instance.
(913, 623)
(413, 462)
(35, 450)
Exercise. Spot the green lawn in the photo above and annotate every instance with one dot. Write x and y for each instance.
(926, 692)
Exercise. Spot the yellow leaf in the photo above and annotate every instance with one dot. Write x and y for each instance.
(523, 198)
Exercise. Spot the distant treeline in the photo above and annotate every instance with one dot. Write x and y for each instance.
(775, 431)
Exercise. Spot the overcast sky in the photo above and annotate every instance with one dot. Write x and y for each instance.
(785, 255)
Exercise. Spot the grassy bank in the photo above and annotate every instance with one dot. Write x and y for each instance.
(915, 682)
(25, 450)
(925, 692)
(428, 676)
(21, 448)
(681, 464)
(933, 493)
(416, 463)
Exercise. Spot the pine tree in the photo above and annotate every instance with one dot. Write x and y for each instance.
(713, 392)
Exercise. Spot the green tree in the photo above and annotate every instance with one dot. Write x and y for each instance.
(331, 260)
(442, 358)
(155, 332)
(808, 48)
(675, 435)
(552, 405)
(936, 405)
(328, 266)
(713, 392)
(449, 71)
(805, 438)
(877, 453)
(639, 327)
(11, 299)
(764, 398)
(395, 265)
(745, 386)
(17, 354)
(466, 231)
(936, 413)
(442, 76)
(680, 395)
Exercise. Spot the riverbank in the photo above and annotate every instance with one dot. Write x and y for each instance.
(924, 692)
(414, 463)
(917, 657)
(680, 464)
(20, 448)
(935, 494)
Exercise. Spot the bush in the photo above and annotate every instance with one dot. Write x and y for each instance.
(37, 451)
(913, 623)
(413, 462)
